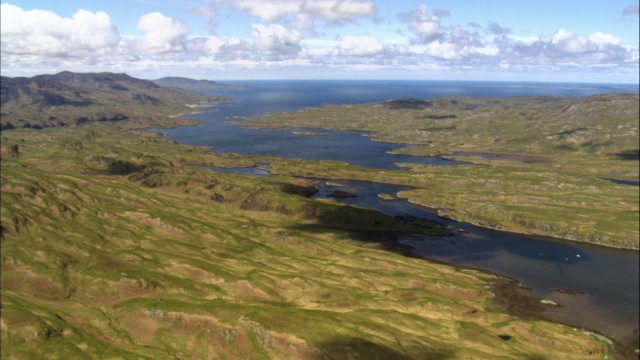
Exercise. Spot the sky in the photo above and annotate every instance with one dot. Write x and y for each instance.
(489, 40)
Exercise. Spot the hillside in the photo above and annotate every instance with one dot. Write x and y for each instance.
(70, 99)
(193, 85)
(444, 125)
(116, 245)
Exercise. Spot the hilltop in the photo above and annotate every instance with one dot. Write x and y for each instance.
(70, 99)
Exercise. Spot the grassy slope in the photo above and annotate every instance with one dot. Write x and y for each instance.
(579, 141)
(113, 248)
(69, 99)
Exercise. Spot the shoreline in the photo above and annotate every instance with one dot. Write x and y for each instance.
(507, 290)
(510, 299)
(437, 211)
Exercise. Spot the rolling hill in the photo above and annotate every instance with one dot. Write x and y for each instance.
(70, 99)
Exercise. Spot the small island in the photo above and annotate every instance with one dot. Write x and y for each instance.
(386, 197)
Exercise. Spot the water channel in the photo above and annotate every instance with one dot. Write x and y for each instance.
(596, 287)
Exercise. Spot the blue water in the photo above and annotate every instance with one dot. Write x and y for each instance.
(260, 97)
(609, 278)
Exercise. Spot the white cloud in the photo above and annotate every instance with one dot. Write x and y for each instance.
(85, 34)
(338, 10)
(216, 45)
(304, 13)
(448, 51)
(36, 40)
(276, 40)
(270, 11)
(601, 39)
(423, 25)
(569, 42)
(597, 48)
(361, 46)
(162, 34)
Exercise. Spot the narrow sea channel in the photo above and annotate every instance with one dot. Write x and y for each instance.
(597, 287)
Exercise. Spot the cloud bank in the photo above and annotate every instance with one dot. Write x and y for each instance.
(285, 39)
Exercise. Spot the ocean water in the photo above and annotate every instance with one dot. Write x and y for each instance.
(606, 280)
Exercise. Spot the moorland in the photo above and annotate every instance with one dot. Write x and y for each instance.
(536, 165)
(115, 246)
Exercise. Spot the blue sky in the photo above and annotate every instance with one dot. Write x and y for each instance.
(568, 40)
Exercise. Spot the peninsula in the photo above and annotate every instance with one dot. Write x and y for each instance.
(537, 165)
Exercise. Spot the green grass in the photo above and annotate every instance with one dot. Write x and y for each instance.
(114, 247)
(550, 158)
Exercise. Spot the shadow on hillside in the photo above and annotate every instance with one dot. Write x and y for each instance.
(386, 240)
(633, 154)
(119, 167)
(355, 348)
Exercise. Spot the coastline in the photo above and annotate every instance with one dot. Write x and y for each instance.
(517, 231)
(508, 292)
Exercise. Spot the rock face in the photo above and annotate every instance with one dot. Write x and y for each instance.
(70, 99)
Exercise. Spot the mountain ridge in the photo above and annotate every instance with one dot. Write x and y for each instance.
(68, 99)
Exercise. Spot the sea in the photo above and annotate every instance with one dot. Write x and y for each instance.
(596, 287)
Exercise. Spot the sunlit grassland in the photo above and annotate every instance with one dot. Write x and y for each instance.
(113, 246)
(536, 164)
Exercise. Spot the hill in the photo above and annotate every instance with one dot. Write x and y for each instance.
(70, 99)
(193, 85)
(114, 245)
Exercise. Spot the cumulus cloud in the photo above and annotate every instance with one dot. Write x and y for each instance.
(338, 10)
(270, 11)
(225, 46)
(448, 51)
(304, 13)
(85, 34)
(597, 47)
(162, 34)
(565, 47)
(426, 27)
(89, 41)
(569, 42)
(276, 40)
(361, 46)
